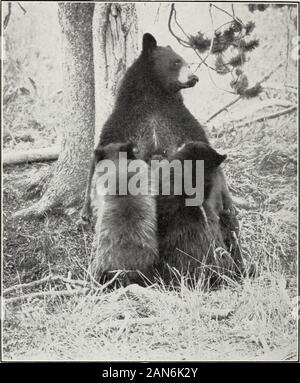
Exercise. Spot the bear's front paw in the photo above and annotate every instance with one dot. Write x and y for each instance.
(82, 222)
(231, 211)
(85, 216)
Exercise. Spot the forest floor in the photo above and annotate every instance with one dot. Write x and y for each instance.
(256, 320)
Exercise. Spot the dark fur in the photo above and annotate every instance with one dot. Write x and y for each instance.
(146, 107)
(149, 111)
(191, 238)
(126, 228)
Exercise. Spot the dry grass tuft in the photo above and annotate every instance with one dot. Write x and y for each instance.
(253, 321)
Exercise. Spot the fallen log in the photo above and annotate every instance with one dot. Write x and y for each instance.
(32, 155)
(266, 117)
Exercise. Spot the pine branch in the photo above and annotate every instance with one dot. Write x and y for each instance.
(52, 294)
(7, 17)
(249, 46)
(254, 91)
(227, 13)
(221, 67)
(237, 60)
(181, 41)
(49, 278)
(223, 109)
(264, 79)
(85, 288)
(200, 42)
(23, 9)
(259, 106)
(213, 33)
(249, 27)
(268, 116)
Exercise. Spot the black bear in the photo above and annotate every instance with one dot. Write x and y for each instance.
(149, 111)
(149, 108)
(190, 237)
(126, 227)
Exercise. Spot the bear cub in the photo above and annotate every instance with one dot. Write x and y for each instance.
(190, 237)
(126, 224)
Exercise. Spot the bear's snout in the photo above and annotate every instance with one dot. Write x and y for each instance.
(186, 79)
(193, 79)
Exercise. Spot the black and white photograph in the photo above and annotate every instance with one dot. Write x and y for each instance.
(149, 182)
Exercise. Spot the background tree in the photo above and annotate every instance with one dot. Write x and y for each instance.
(116, 40)
(115, 30)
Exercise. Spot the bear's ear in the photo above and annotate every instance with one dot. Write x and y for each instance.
(149, 43)
(99, 154)
(220, 158)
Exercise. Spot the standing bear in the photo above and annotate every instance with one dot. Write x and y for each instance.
(149, 109)
(150, 112)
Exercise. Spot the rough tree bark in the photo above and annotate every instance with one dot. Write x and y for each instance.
(99, 42)
(115, 48)
(67, 180)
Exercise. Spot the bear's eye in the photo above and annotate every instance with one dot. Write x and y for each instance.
(177, 63)
(135, 150)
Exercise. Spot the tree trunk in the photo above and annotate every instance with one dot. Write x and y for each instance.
(115, 48)
(110, 31)
(69, 174)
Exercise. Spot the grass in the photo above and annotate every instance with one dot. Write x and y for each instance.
(33, 249)
(156, 324)
(139, 324)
